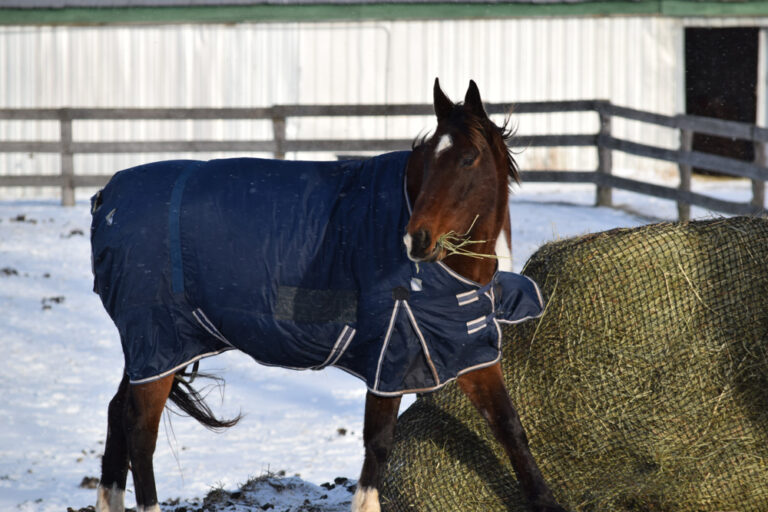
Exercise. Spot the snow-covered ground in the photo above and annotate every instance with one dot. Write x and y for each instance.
(61, 363)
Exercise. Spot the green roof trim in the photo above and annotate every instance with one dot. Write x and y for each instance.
(357, 12)
(714, 8)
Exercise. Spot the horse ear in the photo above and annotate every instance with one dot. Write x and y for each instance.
(472, 100)
(443, 105)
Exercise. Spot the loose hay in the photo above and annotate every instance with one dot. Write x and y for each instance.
(644, 387)
(458, 243)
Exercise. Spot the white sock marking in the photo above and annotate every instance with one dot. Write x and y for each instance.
(151, 508)
(445, 142)
(503, 253)
(366, 500)
(110, 499)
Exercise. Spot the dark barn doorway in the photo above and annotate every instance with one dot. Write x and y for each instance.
(721, 82)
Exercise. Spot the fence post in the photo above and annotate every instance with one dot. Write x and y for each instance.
(67, 163)
(758, 186)
(686, 145)
(604, 160)
(278, 130)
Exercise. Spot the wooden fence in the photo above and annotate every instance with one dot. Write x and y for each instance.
(603, 141)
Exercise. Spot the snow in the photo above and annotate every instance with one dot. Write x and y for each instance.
(62, 362)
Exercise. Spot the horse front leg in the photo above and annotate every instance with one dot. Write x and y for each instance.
(378, 436)
(485, 388)
(143, 412)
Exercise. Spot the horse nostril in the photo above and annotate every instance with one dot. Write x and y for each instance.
(421, 242)
(421, 238)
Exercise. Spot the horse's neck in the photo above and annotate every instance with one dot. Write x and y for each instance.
(480, 270)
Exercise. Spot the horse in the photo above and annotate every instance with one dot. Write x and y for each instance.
(379, 283)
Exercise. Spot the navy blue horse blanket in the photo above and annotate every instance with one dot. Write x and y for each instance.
(298, 264)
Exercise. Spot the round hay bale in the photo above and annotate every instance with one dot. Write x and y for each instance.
(644, 387)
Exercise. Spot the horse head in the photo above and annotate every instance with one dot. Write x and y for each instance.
(458, 184)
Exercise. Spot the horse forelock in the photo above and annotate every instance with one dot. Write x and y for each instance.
(481, 131)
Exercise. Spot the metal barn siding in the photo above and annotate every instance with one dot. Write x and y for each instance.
(632, 61)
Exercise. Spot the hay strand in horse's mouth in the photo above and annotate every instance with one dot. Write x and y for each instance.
(456, 243)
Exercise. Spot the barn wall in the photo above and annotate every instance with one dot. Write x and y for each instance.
(631, 61)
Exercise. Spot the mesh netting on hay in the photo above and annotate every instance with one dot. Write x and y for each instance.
(644, 387)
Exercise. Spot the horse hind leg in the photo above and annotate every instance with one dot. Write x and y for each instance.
(114, 465)
(143, 411)
(378, 436)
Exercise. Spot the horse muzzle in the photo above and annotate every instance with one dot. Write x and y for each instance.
(419, 246)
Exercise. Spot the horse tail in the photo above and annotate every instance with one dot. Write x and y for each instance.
(192, 403)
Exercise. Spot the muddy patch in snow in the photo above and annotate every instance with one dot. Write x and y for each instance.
(273, 492)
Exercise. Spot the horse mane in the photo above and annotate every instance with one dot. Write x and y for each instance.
(484, 130)
(507, 133)
(420, 140)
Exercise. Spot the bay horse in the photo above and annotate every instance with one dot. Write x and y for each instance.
(370, 285)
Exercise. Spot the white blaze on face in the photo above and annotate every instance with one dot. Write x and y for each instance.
(444, 143)
(503, 253)
(366, 500)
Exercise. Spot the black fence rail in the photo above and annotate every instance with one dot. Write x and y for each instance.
(603, 141)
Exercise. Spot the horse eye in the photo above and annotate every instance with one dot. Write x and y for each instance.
(468, 160)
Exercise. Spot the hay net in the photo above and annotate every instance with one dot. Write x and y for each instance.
(644, 387)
